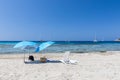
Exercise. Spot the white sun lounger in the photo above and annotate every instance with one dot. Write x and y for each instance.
(66, 59)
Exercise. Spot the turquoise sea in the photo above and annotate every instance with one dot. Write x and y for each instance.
(6, 47)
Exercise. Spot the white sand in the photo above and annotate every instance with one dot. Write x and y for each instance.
(104, 66)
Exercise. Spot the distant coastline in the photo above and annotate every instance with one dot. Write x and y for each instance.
(117, 39)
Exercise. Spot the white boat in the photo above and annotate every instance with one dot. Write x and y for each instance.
(102, 39)
(95, 40)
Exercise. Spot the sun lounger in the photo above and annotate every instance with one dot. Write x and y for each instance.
(66, 59)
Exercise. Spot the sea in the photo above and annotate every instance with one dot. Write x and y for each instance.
(6, 47)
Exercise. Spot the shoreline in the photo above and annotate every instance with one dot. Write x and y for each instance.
(21, 55)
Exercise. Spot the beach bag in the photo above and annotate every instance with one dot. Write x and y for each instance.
(43, 59)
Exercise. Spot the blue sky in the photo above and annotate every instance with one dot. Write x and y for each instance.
(59, 19)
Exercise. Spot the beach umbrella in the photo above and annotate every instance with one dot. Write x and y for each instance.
(44, 46)
(25, 45)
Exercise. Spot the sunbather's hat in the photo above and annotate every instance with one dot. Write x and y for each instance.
(31, 58)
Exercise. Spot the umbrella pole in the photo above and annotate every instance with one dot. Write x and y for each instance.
(41, 53)
(29, 51)
(24, 57)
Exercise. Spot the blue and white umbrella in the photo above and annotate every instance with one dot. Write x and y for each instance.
(25, 45)
(44, 46)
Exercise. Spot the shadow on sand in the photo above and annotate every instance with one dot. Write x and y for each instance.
(38, 62)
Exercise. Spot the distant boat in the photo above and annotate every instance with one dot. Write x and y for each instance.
(102, 39)
(95, 40)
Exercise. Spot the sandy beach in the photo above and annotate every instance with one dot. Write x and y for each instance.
(91, 66)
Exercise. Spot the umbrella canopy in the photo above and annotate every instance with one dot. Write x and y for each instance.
(25, 45)
(44, 45)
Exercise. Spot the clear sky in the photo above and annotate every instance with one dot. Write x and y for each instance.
(59, 19)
